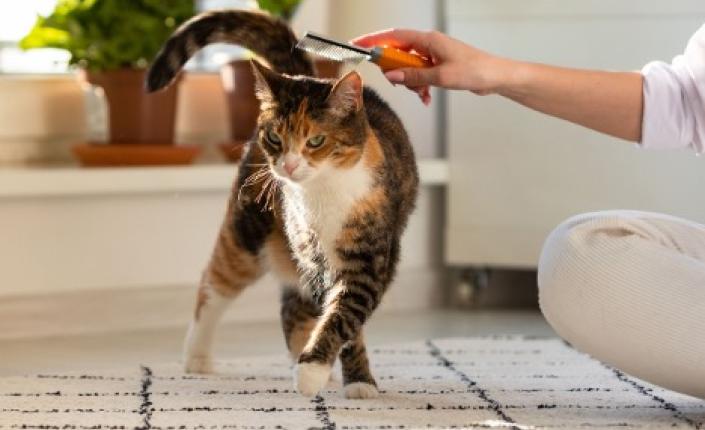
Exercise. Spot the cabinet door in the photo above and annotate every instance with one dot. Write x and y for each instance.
(515, 174)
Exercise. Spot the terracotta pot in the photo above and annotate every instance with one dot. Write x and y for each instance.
(243, 106)
(136, 117)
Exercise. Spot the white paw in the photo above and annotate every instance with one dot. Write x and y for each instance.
(310, 378)
(198, 364)
(360, 390)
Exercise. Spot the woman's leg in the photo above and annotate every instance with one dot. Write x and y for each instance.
(629, 289)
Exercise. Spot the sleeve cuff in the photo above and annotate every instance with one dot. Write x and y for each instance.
(664, 118)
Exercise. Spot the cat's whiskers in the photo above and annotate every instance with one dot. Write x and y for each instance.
(268, 190)
(271, 195)
(263, 190)
(254, 178)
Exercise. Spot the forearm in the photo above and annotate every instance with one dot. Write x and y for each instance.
(608, 102)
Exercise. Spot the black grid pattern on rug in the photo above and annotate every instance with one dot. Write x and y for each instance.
(491, 382)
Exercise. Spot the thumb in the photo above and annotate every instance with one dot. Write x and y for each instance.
(412, 77)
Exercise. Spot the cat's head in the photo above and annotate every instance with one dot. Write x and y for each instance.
(309, 127)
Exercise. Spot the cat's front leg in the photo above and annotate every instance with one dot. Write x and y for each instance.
(358, 382)
(346, 310)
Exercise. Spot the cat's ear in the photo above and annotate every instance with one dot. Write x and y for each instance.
(346, 95)
(266, 82)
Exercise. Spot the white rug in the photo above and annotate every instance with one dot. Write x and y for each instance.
(508, 382)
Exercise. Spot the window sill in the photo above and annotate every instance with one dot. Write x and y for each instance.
(77, 181)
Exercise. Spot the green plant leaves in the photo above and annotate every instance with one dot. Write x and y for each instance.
(109, 34)
(45, 37)
(281, 8)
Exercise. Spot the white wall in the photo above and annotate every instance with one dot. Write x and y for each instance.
(120, 234)
(516, 174)
(313, 15)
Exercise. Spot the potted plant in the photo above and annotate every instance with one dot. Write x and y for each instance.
(239, 82)
(112, 42)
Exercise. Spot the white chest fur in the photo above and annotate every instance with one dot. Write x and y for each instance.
(324, 203)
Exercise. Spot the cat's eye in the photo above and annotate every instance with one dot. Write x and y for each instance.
(273, 138)
(316, 141)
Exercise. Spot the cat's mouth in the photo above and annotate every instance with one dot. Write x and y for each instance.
(296, 176)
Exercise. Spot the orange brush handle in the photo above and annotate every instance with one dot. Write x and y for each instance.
(392, 58)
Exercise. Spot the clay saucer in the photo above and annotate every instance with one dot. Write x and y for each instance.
(100, 154)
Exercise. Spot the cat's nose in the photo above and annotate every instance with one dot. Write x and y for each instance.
(290, 165)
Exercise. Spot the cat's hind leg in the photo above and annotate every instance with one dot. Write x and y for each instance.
(298, 313)
(199, 339)
(358, 382)
(234, 265)
(298, 317)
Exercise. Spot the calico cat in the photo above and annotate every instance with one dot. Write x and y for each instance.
(322, 198)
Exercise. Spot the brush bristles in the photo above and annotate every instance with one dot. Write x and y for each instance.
(332, 52)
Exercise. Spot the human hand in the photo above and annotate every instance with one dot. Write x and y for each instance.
(456, 64)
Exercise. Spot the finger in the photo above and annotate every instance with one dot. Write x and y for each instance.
(398, 38)
(395, 76)
(426, 99)
(413, 77)
(424, 94)
(421, 91)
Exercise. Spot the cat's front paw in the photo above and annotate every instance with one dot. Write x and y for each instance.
(360, 390)
(198, 364)
(310, 378)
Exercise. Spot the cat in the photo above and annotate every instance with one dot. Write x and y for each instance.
(322, 197)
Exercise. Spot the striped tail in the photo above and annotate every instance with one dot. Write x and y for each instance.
(268, 37)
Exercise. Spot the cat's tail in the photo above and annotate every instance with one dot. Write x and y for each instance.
(268, 37)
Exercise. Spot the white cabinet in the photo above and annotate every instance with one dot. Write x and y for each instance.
(515, 174)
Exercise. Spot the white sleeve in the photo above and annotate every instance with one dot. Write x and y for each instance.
(674, 100)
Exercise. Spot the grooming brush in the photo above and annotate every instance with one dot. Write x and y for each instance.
(387, 58)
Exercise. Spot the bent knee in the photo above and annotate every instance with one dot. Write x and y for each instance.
(581, 260)
(582, 243)
(565, 250)
(572, 265)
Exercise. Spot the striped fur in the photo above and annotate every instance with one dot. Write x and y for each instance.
(298, 317)
(268, 37)
(330, 229)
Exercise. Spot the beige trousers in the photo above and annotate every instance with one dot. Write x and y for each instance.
(628, 288)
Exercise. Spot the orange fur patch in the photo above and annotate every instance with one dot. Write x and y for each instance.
(370, 204)
(374, 156)
(231, 268)
(299, 336)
